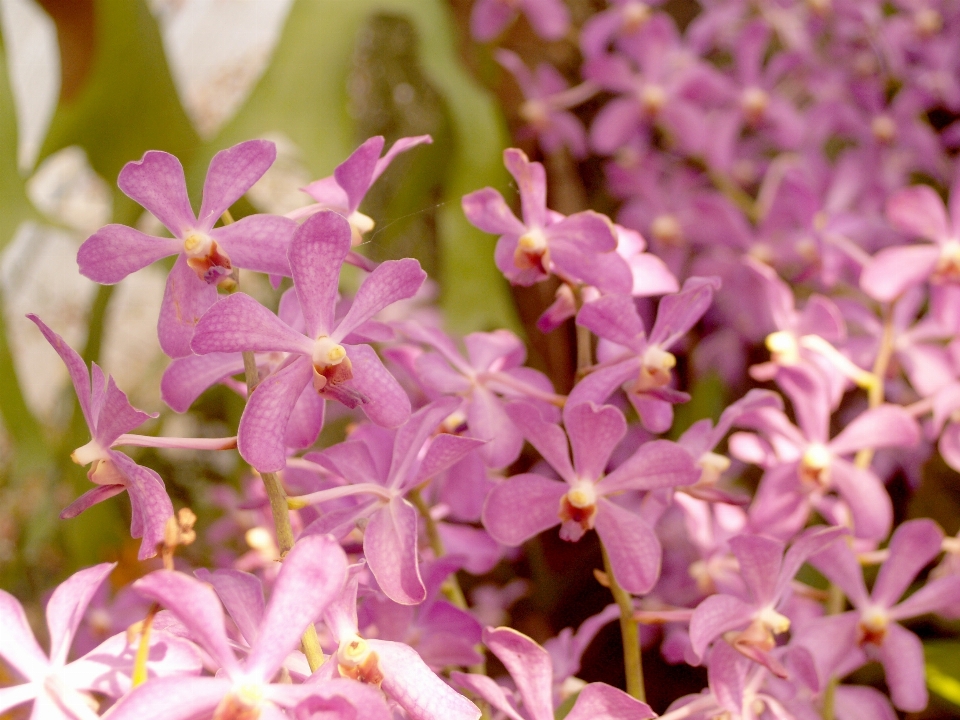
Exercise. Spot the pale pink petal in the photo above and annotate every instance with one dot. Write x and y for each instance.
(306, 419)
(919, 212)
(390, 546)
(67, 606)
(328, 194)
(530, 667)
(355, 174)
(76, 367)
(759, 560)
(444, 451)
(231, 173)
(410, 438)
(487, 210)
(616, 124)
(599, 701)
(258, 242)
(172, 698)
(415, 688)
(386, 404)
(914, 544)
(316, 255)
(521, 507)
(600, 384)
(262, 428)
(632, 545)
(157, 183)
(606, 271)
(549, 440)
(194, 604)
(311, 575)
(19, 647)
(651, 276)
(185, 379)
(489, 17)
(332, 699)
(812, 541)
(594, 433)
(715, 616)
(879, 427)
(678, 313)
(185, 299)
(550, 18)
(117, 416)
(487, 420)
(895, 270)
(840, 566)
(392, 281)
(656, 464)
(935, 597)
(90, 498)
(500, 346)
(488, 690)
(239, 323)
(242, 595)
(10, 697)
(856, 702)
(401, 145)
(869, 502)
(532, 183)
(615, 318)
(115, 251)
(901, 654)
(149, 503)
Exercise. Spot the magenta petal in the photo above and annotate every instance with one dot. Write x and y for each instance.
(919, 212)
(883, 426)
(185, 299)
(387, 403)
(445, 450)
(841, 567)
(90, 498)
(606, 271)
(231, 173)
(759, 560)
(678, 313)
(263, 425)
(312, 575)
(532, 182)
(521, 507)
(258, 242)
(242, 595)
(488, 421)
(855, 702)
(914, 544)
(117, 416)
(594, 433)
(486, 209)
(77, 368)
(600, 384)
(486, 689)
(599, 701)
(613, 317)
(530, 667)
(19, 647)
(416, 688)
(895, 270)
(194, 604)
(157, 183)
(239, 323)
(901, 654)
(869, 502)
(632, 545)
(810, 542)
(186, 378)
(355, 174)
(715, 616)
(150, 505)
(489, 17)
(316, 255)
(401, 145)
(935, 597)
(172, 698)
(390, 546)
(67, 606)
(550, 18)
(306, 419)
(549, 440)
(391, 281)
(657, 464)
(115, 251)
(589, 230)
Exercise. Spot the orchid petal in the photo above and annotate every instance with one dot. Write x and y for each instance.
(615, 318)
(715, 616)
(594, 433)
(895, 270)
(19, 647)
(149, 503)
(390, 546)
(355, 174)
(599, 701)
(67, 606)
(117, 416)
(656, 464)
(157, 183)
(487, 210)
(759, 559)
(258, 242)
(914, 544)
(400, 146)
(115, 251)
(919, 212)
(392, 281)
(239, 323)
(632, 545)
(185, 300)
(528, 664)
(521, 507)
(317, 251)
(172, 698)
(901, 654)
(242, 595)
(879, 427)
(76, 367)
(549, 440)
(231, 173)
(387, 404)
(186, 378)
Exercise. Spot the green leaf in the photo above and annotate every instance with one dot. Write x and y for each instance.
(127, 103)
(304, 95)
(943, 668)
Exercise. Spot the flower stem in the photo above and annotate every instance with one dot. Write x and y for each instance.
(632, 659)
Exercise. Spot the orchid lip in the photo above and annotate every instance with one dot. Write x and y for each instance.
(86, 454)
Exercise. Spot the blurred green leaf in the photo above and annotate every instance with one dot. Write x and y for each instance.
(304, 95)
(943, 668)
(127, 104)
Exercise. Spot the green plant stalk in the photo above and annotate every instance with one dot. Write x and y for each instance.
(632, 659)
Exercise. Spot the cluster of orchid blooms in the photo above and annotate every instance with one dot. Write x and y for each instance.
(768, 152)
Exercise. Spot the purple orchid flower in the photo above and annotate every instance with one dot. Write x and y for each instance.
(350, 374)
(528, 504)
(490, 375)
(343, 191)
(60, 690)
(919, 212)
(550, 19)
(394, 667)
(620, 24)
(531, 668)
(647, 362)
(312, 575)
(385, 465)
(766, 573)
(109, 415)
(872, 629)
(578, 248)
(206, 255)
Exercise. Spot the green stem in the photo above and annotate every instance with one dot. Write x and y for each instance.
(632, 660)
